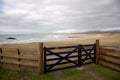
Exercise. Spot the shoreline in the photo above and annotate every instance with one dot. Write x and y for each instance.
(105, 40)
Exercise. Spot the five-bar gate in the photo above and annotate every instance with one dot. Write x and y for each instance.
(57, 58)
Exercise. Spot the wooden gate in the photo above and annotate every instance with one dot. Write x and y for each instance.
(87, 54)
(57, 58)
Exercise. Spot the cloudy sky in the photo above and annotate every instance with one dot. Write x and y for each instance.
(58, 16)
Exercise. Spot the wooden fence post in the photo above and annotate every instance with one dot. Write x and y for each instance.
(0, 55)
(40, 59)
(97, 51)
(79, 56)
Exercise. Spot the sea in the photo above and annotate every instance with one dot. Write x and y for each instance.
(29, 38)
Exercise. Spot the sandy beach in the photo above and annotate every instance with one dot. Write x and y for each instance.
(106, 39)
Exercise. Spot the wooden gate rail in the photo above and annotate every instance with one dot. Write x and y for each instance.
(88, 54)
(80, 50)
(48, 52)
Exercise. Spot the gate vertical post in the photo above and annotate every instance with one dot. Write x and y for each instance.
(40, 59)
(94, 60)
(97, 51)
(79, 56)
(45, 59)
(1, 56)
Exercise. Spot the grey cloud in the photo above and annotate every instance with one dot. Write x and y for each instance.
(49, 16)
(1, 5)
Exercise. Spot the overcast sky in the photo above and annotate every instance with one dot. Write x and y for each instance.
(58, 16)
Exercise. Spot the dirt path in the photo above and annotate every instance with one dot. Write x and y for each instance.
(58, 75)
(86, 69)
(92, 73)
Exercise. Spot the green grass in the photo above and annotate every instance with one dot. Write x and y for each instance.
(73, 74)
(67, 74)
(6, 74)
(46, 76)
(105, 73)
